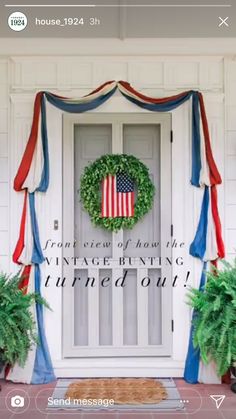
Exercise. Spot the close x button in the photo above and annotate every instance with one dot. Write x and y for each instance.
(223, 21)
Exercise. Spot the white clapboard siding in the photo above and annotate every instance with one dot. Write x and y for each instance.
(4, 164)
(230, 159)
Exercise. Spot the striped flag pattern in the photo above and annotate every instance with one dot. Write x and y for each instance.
(117, 196)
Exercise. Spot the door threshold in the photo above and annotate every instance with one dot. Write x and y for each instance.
(119, 368)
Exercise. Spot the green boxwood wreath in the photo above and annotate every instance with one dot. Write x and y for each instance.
(110, 164)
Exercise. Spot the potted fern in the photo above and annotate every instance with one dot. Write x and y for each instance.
(215, 320)
(17, 326)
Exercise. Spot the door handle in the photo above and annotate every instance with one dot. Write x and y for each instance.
(55, 224)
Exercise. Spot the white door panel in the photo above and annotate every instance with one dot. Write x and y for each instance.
(90, 141)
(115, 321)
(143, 141)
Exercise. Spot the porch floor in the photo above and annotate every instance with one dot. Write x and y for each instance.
(199, 405)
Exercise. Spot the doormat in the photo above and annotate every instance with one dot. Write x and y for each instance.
(121, 390)
(116, 394)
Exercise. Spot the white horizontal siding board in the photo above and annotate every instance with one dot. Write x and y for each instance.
(4, 95)
(230, 81)
(23, 105)
(104, 71)
(54, 74)
(4, 218)
(4, 264)
(4, 175)
(140, 70)
(231, 143)
(230, 156)
(146, 74)
(231, 257)
(75, 73)
(231, 99)
(3, 145)
(3, 120)
(184, 74)
(231, 217)
(46, 76)
(16, 73)
(231, 120)
(3, 72)
(36, 75)
(211, 75)
(231, 168)
(231, 241)
(3, 169)
(21, 132)
(28, 73)
(4, 194)
(64, 74)
(4, 243)
(230, 192)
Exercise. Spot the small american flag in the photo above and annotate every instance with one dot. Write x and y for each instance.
(117, 196)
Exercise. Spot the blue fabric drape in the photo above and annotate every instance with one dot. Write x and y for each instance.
(192, 362)
(43, 186)
(196, 141)
(37, 256)
(43, 369)
(78, 107)
(198, 246)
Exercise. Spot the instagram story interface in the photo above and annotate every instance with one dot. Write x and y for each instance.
(117, 209)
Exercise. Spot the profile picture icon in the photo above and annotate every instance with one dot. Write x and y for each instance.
(17, 401)
(17, 21)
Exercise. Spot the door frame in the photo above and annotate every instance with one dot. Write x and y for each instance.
(117, 120)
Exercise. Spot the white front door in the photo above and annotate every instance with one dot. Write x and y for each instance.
(134, 320)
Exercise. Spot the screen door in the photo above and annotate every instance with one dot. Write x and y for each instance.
(133, 320)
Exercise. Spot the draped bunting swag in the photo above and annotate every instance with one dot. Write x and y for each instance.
(33, 176)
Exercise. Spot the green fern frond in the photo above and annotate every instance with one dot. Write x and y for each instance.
(18, 332)
(215, 317)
